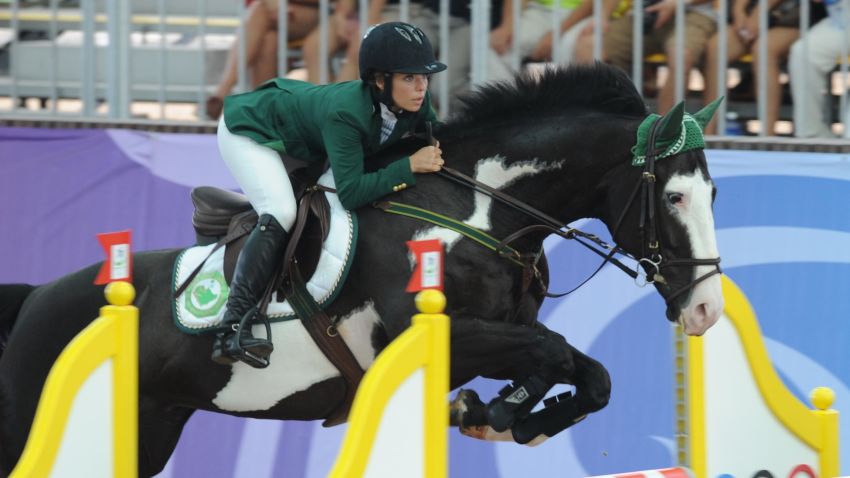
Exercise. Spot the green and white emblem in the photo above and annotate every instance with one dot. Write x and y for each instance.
(207, 294)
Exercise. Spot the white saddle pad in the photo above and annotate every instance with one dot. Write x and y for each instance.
(201, 306)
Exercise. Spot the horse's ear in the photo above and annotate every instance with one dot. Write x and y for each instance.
(671, 123)
(704, 115)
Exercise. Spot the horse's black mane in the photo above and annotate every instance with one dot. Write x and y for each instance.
(580, 88)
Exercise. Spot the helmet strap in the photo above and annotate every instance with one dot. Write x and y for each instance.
(386, 96)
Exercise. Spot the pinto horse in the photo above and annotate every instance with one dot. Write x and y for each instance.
(566, 144)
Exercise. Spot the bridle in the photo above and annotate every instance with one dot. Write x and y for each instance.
(644, 192)
(650, 246)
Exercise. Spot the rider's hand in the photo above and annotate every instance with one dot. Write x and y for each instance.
(427, 160)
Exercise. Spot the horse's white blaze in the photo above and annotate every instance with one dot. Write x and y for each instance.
(296, 363)
(695, 213)
(496, 174)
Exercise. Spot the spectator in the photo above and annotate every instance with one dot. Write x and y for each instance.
(460, 39)
(744, 37)
(344, 36)
(260, 34)
(535, 39)
(578, 39)
(813, 60)
(700, 24)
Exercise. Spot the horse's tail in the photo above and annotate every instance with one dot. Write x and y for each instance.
(12, 297)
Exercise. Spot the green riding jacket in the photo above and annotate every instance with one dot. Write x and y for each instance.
(340, 122)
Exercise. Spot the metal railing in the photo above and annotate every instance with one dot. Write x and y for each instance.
(109, 55)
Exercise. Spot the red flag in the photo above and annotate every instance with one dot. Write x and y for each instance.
(119, 262)
(429, 265)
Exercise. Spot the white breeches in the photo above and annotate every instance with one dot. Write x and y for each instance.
(260, 173)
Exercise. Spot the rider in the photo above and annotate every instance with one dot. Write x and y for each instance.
(342, 122)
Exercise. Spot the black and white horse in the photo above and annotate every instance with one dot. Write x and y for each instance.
(560, 143)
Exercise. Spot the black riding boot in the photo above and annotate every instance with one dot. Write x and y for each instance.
(257, 262)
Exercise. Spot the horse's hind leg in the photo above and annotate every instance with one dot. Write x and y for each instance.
(159, 430)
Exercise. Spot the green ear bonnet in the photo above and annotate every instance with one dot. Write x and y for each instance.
(679, 131)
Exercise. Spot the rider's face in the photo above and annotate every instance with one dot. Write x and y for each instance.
(408, 90)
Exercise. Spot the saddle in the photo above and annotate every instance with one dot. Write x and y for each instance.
(221, 214)
(226, 218)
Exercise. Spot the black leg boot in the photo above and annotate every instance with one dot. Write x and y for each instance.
(257, 263)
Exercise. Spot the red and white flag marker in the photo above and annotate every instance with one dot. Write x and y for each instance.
(118, 265)
(428, 273)
(665, 473)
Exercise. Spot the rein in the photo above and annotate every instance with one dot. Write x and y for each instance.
(549, 224)
(651, 256)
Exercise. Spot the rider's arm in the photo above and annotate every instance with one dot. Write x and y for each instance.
(344, 145)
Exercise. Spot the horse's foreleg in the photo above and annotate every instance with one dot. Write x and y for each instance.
(592, 383)
(159, 431)
(499, 350)
(593, 389)
(507, 351)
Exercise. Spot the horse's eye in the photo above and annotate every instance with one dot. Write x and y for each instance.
(675, 198)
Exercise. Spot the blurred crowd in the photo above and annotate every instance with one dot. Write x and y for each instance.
(808, 63)
(798, 68)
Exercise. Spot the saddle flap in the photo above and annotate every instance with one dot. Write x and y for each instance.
(242, 222)
(308, 247)
(221, 214)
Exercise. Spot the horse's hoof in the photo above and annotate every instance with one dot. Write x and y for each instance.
(467, 410)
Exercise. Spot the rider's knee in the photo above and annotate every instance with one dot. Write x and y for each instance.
(283, 213)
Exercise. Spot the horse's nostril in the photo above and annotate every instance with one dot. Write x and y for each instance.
(702, 311)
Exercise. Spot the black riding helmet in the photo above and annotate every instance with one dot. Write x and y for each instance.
(396, 47)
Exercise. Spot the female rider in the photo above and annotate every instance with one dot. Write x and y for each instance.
(342, 123)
